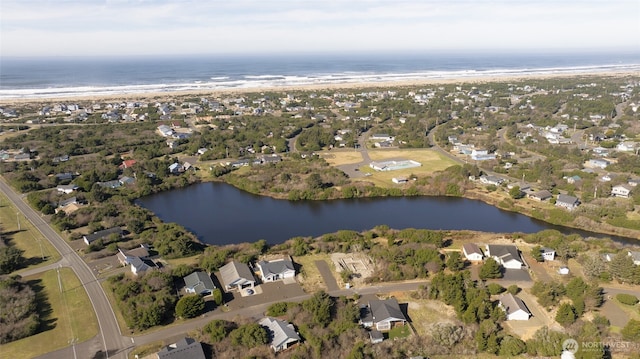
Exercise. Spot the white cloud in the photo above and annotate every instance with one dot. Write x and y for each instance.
(189, 26)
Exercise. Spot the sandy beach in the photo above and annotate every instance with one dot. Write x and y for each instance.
(164, 96)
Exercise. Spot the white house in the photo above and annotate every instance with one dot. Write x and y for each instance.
(621, 190)
(236, 275)
(514, 307)
(548, 254)
(472, 252)
(271, 271)
(506, 255)
(67, 188)
(635, 256)
(626, 146)
(597, 163)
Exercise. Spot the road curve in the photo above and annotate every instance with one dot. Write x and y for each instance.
(113, 345)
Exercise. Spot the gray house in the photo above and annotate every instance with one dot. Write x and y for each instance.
(283, 334)
(200, 283)
(185, 348)
(90, 238)
(382, 314)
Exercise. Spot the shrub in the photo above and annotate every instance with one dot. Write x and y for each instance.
(495, 288)
(627, 299)
(190, 306)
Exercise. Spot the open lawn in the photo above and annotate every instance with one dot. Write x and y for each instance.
(402, 331)
(66, 315)
(423, 313)
(431, 162)
(28, 238)
(341, 157)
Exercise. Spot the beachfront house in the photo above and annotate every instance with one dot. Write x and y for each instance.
(567, 202)
(621, 190)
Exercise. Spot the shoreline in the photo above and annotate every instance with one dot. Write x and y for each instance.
(471, 79)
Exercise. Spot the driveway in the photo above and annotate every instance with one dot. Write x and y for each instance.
(327, 276)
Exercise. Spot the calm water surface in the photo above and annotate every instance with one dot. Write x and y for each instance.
(222, 214)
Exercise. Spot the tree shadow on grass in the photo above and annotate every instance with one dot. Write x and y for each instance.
(45, 311)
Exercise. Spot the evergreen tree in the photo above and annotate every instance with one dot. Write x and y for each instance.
(566, 314)
(490, 270)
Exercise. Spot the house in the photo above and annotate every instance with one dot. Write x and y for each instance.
(482, 155)
(141, 265)
(627, 146)
(67, 188)
(110, 184)
(506, 255)
(399, 180)
(514, 307)
(491, 180)
(199, 283)
(271, 271)
(175, 168)
(382, 314)
(66, 176)
(124, 257)
(621, 190)
(597, 163)
(574, 179)
(236, 275)
(376, 337)
(381, 137)
(165, 130)
(68, 201)
(185, 348)
(90, 238)
(567, 202)
(548, 254)
(126, 180)
(540, 195)
(635, 256)
(282, 333)
(472, 252)
(127, 164)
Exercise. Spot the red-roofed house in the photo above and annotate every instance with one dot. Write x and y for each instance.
(127, 163)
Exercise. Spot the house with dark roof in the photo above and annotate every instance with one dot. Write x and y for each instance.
(236, 275)
(124, 257)
(185, 348)
(199, 283)
(141, 265)
(506, 255)
(472, 252)
(382, 314)
(567, 202)
(282, 334)
(274, 270)
(514, 307)
(90, 238)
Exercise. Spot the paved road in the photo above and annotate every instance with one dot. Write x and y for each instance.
(110, 341)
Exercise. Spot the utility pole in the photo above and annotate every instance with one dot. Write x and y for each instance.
(18, 219)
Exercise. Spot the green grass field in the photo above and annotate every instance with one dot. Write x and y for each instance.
(28, 239)
(65, 315)
(431, 162)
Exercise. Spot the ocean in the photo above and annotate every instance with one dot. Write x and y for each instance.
(72, 76)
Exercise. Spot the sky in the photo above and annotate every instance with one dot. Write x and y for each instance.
(175, 27)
